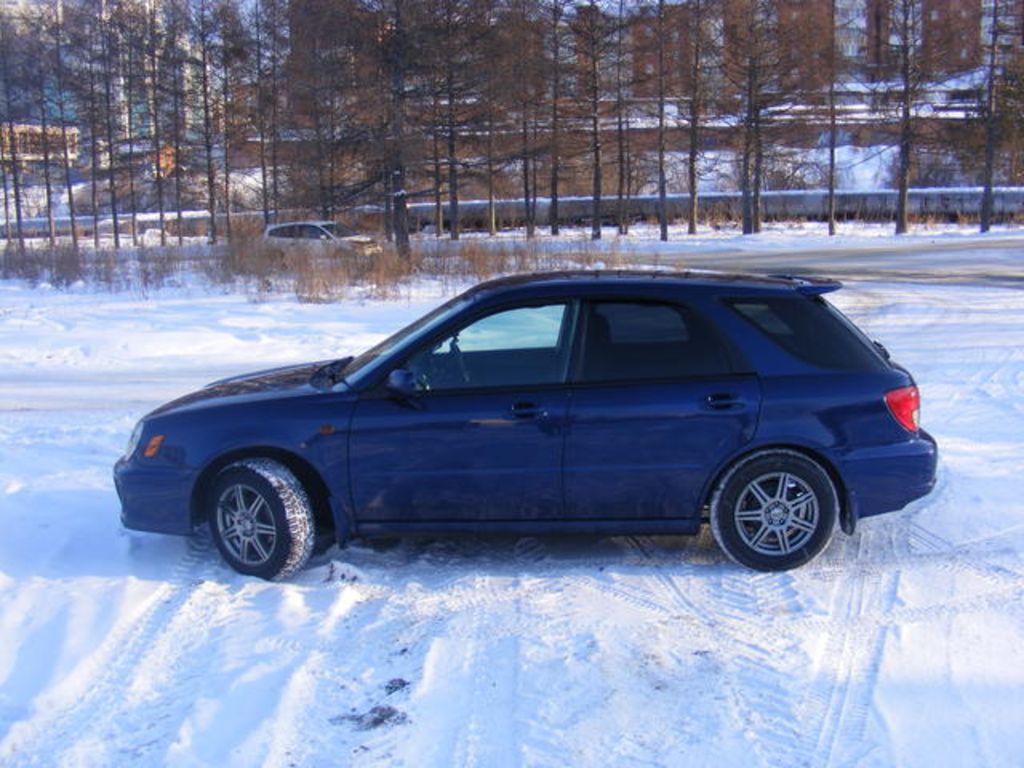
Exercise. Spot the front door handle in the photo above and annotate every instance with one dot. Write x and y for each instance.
(723, 401)
(528, 411)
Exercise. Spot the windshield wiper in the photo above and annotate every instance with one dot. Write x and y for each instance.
(328, 375)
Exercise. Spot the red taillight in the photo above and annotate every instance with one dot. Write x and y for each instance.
(905, 406)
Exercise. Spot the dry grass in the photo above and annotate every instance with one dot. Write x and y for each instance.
(313, 272)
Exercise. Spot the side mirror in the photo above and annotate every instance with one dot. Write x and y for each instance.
(402, 382)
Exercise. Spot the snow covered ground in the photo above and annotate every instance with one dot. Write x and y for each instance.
(899, 646)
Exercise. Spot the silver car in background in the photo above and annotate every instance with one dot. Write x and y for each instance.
(302, 232)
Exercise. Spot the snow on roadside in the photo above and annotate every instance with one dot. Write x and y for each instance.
(899, 646)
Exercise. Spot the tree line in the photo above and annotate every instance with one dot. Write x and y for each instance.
(320, 105)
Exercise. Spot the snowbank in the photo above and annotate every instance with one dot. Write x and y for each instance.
(900, 646)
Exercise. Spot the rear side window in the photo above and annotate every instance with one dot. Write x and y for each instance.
(811, 329)
(626, 341)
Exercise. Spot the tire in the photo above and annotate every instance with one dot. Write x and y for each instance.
(261, 519)
(774, 511)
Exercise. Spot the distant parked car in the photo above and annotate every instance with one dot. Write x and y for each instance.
(601, 402)
(321, 231)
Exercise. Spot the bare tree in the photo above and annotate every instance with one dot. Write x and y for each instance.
(269, 52)
(130, 26)
(60, 88)
(39, 44)
(906, 43)
(234, 43)
(1003, 20)
(556, 11)
(108, 65)
(622, 120)
(525, 96)
(660, 34)
(453, 58)
(753, 70)
(595, 37)
(154, 74)
(204, 37)
(700, 64)
(396, 51)
(830, 210)
(9, 72)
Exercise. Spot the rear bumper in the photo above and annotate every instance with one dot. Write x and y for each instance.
(155, 499)
(887, 478)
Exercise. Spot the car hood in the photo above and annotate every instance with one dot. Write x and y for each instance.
(275, 382)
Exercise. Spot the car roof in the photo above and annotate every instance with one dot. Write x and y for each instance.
(641, 279)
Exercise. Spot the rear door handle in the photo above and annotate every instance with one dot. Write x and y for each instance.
(528, 411)
(723, 401)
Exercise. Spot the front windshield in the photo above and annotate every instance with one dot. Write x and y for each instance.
(362, 365)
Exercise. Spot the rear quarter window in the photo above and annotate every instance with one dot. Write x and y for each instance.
(810, 329)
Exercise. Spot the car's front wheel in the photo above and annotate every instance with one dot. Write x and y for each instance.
(774, 511)
(261, 519)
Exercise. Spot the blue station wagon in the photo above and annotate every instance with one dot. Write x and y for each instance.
(600, 402)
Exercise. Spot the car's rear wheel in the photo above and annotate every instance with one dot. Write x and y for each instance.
(774, 510)
(261, 519)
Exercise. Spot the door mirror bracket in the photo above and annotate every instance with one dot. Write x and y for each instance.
(401, 384)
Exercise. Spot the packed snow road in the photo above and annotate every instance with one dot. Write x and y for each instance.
(900, 646)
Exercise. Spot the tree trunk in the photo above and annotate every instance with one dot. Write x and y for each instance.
(398, 67)
(492, 218)
(556, 122)
(595, 139)
(154, 77)
(129, 134)
(108, 105)
(47, 183)
(758, 172)
(748, 148)
(453, 166)
(438, 206)
(906, 129)
(275, 124)
(7, 200)
(226, 128)
(662, 185)
(261, 120)
(527, 196)
(179, 129)
(389, 208)
(991, 126)
(696, 105)
(620, 122)
(5, 71)
(831, 204)
(204, 85)
(62, 116)
(94, 158)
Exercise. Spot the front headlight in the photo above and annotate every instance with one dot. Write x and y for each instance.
(133, 441)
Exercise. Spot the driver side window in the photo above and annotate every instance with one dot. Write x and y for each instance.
(514, 347)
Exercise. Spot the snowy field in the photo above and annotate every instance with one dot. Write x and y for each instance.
(900, 646)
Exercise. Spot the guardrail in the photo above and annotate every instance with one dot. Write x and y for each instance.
(949, 203)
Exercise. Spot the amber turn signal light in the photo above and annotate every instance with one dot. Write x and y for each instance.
(153, 446)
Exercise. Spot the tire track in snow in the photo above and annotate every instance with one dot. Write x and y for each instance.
(841, 694)
(59, 726)
(756, 666)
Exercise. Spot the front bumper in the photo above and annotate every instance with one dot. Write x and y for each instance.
(154, 498)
